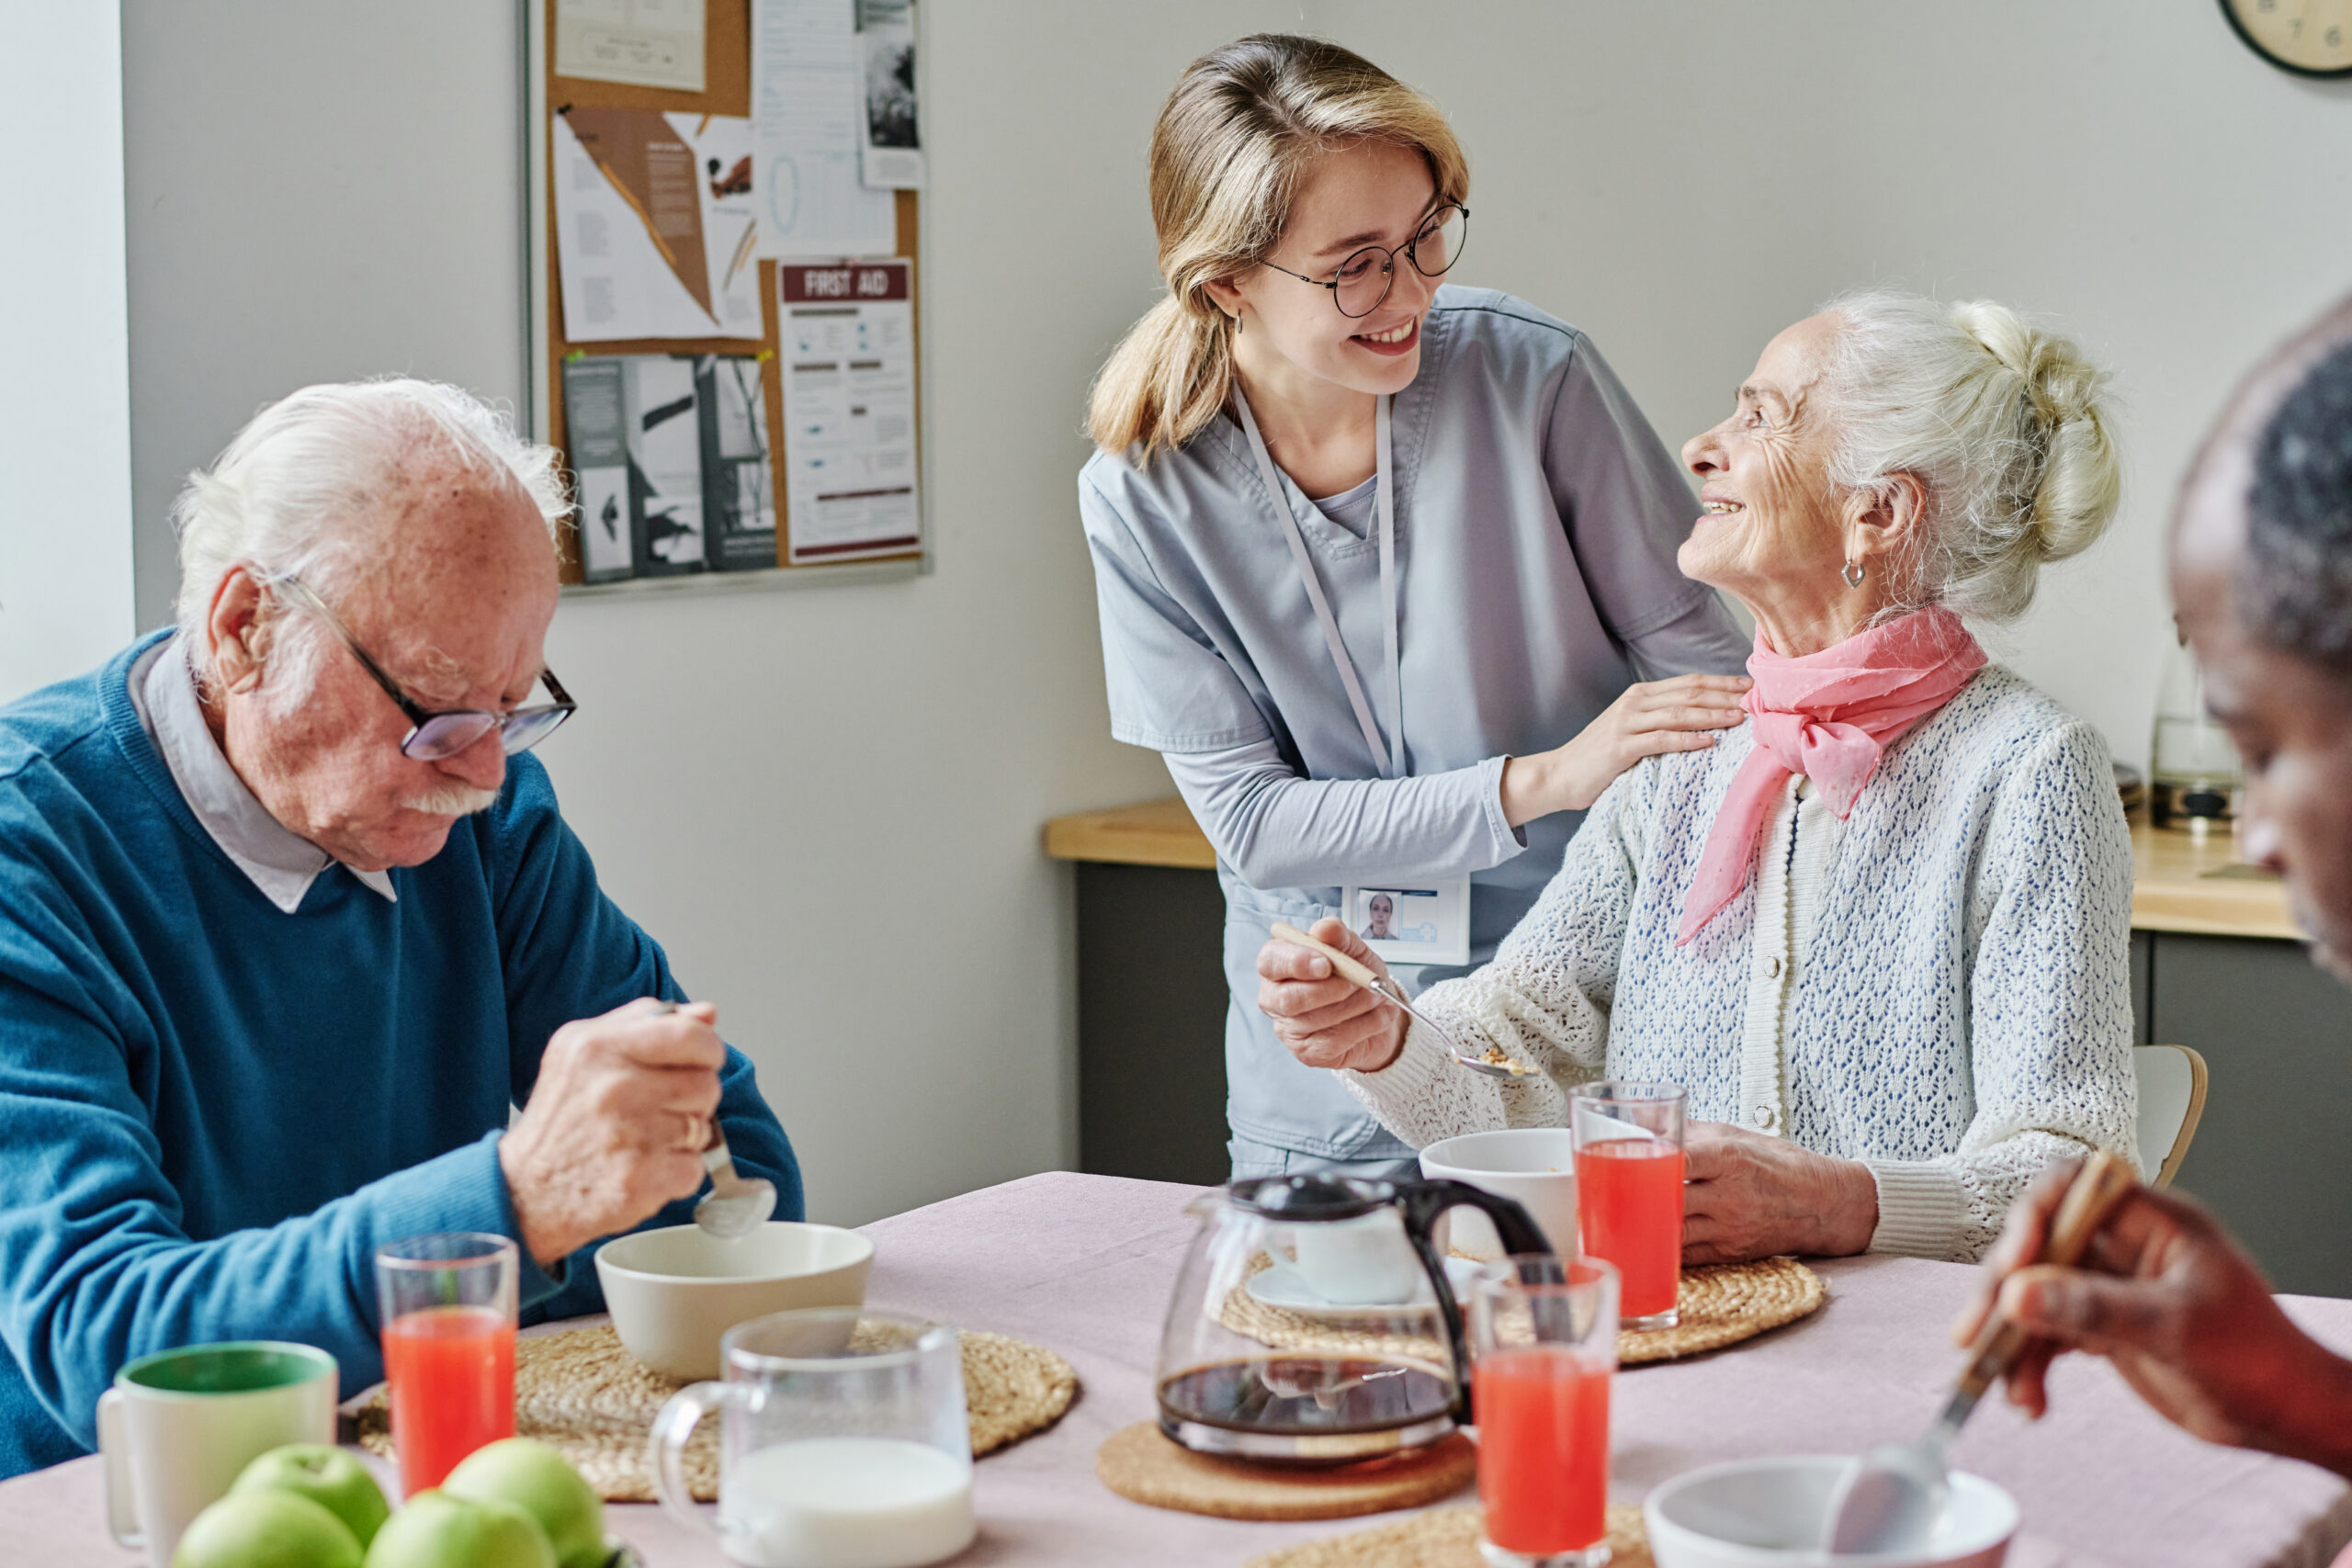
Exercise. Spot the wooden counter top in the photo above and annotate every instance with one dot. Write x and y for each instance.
(1158, 832)
(2175, 888)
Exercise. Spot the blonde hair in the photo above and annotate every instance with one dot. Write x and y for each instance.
(2008, 427)
(1233, 146)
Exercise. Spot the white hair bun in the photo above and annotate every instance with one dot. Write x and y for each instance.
(2007, 426)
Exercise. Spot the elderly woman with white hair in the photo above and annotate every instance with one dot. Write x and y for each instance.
(1880, 932)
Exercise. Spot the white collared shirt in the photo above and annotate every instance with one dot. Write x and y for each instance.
(279, 862)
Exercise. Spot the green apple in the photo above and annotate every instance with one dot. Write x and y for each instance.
(539, 1481)
(434, 1529)
(265, 1529)
(329, 1476)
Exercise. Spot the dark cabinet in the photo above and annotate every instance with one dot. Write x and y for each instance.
(2273, 1155)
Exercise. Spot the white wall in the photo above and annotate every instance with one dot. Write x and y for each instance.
(826, 803)
(65, 600)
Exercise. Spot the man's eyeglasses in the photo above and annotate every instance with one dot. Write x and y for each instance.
(444, 732)
(1363, 280)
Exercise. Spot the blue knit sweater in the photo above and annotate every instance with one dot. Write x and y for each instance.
(212, 1112)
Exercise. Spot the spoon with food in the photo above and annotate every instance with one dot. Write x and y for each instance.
(735, 1205)
(1495, 1063)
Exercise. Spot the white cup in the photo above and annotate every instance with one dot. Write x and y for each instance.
(177, 1427)
(1365, 1261)
(1537, 1166)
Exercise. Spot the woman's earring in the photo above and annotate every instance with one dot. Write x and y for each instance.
(1852, 573)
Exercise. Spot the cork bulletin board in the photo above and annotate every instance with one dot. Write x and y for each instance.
(726, 92)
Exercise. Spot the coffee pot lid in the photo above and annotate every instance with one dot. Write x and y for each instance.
(1310, 1198)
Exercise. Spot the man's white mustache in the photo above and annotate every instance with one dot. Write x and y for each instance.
(452, 800)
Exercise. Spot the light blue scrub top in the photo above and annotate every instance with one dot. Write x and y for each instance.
(1537, 520)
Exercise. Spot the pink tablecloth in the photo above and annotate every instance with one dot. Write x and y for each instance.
(1084, 1264)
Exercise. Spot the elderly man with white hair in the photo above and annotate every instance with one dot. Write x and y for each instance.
(289, 923)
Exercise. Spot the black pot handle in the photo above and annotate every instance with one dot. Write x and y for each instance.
(1421, 1203)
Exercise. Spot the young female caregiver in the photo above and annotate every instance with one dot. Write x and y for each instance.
(1367, 549)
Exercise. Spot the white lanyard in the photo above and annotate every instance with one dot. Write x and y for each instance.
(1384, 498)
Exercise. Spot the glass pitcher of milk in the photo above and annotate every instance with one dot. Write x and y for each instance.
(844, 1442)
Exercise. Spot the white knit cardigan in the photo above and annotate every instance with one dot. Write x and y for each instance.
(1938, 986)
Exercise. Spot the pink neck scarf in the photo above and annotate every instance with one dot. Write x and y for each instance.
(1829, 716)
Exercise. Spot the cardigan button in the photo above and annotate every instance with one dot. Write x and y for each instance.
(1763, 1116)
(1773, 967)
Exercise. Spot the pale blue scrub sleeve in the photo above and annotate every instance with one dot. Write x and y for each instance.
(1627, 507)
(1277, 829)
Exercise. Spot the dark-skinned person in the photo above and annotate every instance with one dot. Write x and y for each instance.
(2262, 582)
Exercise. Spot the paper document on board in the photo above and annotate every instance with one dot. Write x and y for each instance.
(808, 130)
(653, 43)
(655, 225)
(891, 154)
(848, 347)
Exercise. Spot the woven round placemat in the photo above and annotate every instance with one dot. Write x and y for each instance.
(1724, 1304)
(1719, 1304)
(1441, 1537)
(583, 1394)
(1141, 1464)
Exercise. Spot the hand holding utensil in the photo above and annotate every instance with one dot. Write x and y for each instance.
(1387, 990)
(735, 1205)
(1890, 1498)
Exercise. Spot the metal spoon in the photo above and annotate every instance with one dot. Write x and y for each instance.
(1890, 1498)
(1389, 991)
(735, 1205)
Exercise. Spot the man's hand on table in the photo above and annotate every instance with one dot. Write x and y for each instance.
(1750, 1196)
(615, 1125)
(2183, 1314)
(1324, 1020)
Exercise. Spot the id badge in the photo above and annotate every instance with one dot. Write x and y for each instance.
(1428, 922)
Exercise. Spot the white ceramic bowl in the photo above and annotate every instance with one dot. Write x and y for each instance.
(1767, 1513)
(673, 1291)
(1537, 1166)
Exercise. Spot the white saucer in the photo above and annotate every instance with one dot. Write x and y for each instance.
(1282, 1285)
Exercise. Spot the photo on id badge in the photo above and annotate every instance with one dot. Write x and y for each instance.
(1425, 924)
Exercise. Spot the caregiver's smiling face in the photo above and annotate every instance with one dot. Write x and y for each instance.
(1771, 514)
(1374, 193)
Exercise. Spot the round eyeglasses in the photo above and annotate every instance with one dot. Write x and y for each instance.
(1363, 280)
(436, 733)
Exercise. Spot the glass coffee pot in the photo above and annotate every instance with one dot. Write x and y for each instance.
(1312, 1322)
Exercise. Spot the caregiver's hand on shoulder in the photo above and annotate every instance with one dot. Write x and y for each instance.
(1679, 715)
(1324, 1020)
(615, 1124)
(2183, 1314)
(1750, 1196)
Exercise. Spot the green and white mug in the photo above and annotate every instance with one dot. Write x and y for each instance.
(178, 1425)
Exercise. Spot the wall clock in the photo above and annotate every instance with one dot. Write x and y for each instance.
(2310, 38)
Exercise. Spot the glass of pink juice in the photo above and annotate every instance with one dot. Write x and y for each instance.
(448, 1313)
(1628, 1142)
(1543, 1349)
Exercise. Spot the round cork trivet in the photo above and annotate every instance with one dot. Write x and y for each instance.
(1724, 1304)
(1719, 1304)
(583, 1394)
(1140, 1463)
(1441, 1537)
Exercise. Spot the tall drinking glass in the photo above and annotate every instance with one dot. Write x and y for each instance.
(1628, 1142)
(448, 1313)
(1543, 1349)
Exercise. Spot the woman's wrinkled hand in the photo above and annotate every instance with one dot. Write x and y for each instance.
(1324, 1020)
(1750, 1196)
(2183, 1314)
(1678, 715)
